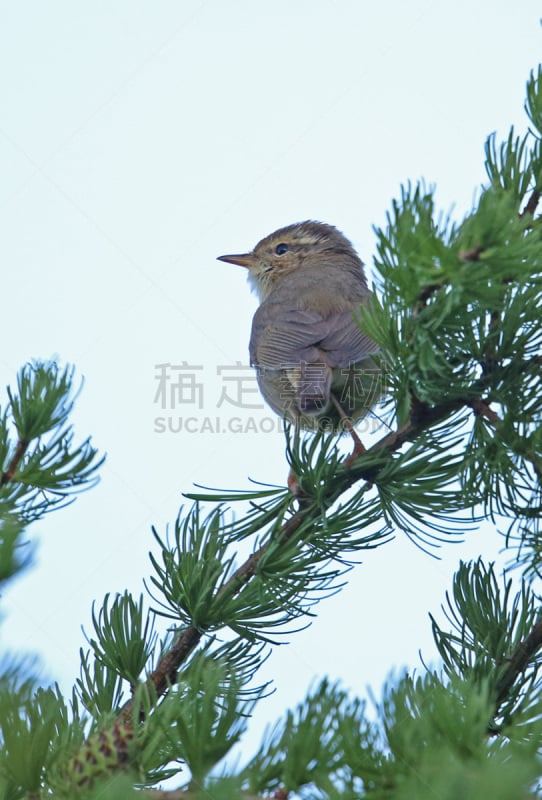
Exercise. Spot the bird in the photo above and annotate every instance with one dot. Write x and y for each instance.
(314, 364)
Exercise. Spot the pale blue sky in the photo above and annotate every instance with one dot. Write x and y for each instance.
(140, 140)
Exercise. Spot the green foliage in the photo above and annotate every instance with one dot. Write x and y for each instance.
(40, 467)
(326, 742)
(99, 688)
(37, 730)
(533, 105)
(194, 569)
(457, 320)
(125, 637)
(488, 626)
(50, 467)
(206, 717)
(435, 732)
(196, 581)
(13, 557)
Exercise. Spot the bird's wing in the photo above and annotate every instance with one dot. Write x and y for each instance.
(285, 336)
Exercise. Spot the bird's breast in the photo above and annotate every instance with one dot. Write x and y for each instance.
(322, 291)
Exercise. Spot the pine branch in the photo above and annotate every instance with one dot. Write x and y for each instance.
(482, 408)
(519, 661)
(436, 270)
(427, 291)
(532, 204)
(20, 450)
(185, 794)
(166, 672)
(472, 255)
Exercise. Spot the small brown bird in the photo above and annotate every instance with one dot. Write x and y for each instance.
(313, 362)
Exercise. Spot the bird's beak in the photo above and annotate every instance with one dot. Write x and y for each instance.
(244, 260)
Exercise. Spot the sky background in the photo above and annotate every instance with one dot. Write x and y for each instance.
(138, 141)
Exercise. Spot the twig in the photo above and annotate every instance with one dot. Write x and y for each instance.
(482, 409)
(246, 571)
(532, 203)
(472, 255)
(166, 672)
(425, 417)
(519, 661)
(428, 290)
(18, 455)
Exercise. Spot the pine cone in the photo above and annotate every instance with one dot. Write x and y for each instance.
(103, 753)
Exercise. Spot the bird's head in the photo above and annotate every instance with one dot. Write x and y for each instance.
(288, 249)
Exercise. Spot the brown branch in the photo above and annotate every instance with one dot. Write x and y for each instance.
(519, 661)
(166, 672)
(427, 291)
(425, 417)
(472, 255)
(422, 418)
(482, 409)
(186, 794)
(18, 455)
(246, 571)
(532, 203)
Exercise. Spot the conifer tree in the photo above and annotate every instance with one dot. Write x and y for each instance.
(169, 678)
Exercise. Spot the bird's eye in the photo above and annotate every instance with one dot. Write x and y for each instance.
(281, 248)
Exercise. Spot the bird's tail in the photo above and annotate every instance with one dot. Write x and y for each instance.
(311, 384)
